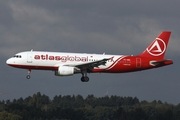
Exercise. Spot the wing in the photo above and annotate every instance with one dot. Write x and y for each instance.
(90, 65)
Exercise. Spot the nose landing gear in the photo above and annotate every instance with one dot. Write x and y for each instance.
(29, 72)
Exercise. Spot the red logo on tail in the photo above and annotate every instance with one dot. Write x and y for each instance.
(157, 48)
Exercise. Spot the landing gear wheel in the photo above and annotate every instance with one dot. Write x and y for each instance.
(28, 76)
(85, 79)
(82, 79)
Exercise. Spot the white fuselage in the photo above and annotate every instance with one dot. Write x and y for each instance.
(46, 60)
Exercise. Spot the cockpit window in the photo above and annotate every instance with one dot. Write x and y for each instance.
(17, 56)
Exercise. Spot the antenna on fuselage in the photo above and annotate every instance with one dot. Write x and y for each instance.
(31, 50)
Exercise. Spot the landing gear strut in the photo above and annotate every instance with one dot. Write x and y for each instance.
(29, 72)
(84, 77)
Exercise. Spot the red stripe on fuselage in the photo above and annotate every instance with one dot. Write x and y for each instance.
(114, 64)
(35, 67)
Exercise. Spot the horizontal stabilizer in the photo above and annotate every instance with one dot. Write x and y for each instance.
(161, 63)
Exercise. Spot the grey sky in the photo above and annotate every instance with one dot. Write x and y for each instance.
(114, 27)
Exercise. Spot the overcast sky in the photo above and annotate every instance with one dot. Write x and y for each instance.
(96, 26)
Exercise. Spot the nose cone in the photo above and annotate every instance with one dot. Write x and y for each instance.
(9, 61)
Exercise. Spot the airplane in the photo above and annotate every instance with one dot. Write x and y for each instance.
(66, 64)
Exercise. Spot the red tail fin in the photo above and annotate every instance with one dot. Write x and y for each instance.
(157, 48)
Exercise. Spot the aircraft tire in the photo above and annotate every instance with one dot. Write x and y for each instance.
(28, 76)
(84, 79)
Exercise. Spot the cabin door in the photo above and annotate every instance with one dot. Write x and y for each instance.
(29, 58)
(138, 62)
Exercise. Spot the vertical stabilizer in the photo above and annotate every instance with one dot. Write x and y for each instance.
(157, 48)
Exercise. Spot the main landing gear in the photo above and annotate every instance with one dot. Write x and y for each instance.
(84, 77)
(29, 72)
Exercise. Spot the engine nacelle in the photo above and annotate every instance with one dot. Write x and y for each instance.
(64, 71)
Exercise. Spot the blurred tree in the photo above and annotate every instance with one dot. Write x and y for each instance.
(9, 116)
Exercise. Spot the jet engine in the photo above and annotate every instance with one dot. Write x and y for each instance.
(65, 71)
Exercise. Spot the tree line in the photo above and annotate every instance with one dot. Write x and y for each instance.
(41, 107)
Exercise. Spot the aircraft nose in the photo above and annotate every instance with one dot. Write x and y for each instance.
(9, 61)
